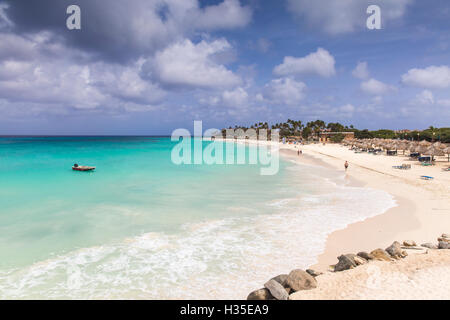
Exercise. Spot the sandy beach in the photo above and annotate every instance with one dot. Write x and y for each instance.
(423, 210)
(422, 214)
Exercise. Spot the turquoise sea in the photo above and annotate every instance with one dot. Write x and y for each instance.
(140, 226)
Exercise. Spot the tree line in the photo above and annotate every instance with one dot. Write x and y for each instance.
(311, 130)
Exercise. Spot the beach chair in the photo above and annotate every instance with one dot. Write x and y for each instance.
(426, 177)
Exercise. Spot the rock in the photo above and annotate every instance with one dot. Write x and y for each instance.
(281, 279)
(443, 239)
(365, 255)
(429, 245)
(409, 243)
(276, 290)
(345, 262)
(359, 260)
(445, 235)
(313, 273)
(444, 245)
(261, 294)
(404, 254)
(300, 280)
(380, 254)
(395, 250)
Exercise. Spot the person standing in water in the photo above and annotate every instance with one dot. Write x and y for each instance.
(346, 165)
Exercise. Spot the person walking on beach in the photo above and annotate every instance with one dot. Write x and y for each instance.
(346, 165)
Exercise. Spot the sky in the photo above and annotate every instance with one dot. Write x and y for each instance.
(147, 67)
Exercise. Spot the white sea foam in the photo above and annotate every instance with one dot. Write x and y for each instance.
(224, 258)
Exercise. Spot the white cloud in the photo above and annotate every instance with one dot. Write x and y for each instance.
(375, 87)
(235, 98)
(130, 29)
(186, 64)
(49, 83)
(320, 63)
(284, 91)
(361, 71)
(348, 108)
(425, 97)
(4, 20)
(431, 77)
(342, 16)
(226, 15)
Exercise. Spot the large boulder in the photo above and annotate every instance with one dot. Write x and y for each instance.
(409, 243)
(276, 290)
(380, 254)
(346, 262)
(365, 255)
(313, 272)
(359, 260)
(260, 294)
(444, 245)
(395, 250)
(300, 280)
(281, 279)
(429, 245)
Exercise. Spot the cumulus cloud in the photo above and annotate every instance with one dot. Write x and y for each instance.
(41, 78)
(5, 22)
(376, 87)
(237, 98)
(284, 91)
(147, 26)
(190, 65)
(226, 15)
(337, 17)
(361, 71)
(431, 77)
(425, 97)
(347, 108)
(320, 63)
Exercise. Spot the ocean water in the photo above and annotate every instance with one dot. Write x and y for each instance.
(141, 227)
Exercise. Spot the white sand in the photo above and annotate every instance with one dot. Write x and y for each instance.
(418, 276)
(423, 211)
(422, 214)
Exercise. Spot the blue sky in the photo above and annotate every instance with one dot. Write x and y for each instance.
(149, 67)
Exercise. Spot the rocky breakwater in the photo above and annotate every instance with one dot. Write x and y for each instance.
(282, 286)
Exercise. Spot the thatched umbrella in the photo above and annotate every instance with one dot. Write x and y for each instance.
(403, 145)
(424, 143)
(421, 149)
(432, 151)
(412, 147)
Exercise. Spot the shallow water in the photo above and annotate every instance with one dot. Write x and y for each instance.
(143, 227)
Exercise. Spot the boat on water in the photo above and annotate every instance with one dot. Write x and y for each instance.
(76, 167)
